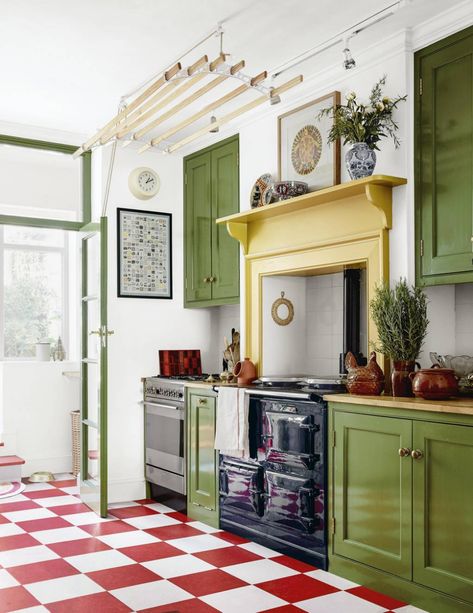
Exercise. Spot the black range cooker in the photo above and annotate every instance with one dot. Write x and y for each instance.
(278, 497)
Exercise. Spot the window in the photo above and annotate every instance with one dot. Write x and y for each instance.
(35, 289)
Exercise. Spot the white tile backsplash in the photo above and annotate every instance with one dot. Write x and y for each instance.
(464, 319)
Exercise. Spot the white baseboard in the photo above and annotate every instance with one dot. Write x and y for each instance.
(60, 464)
(126, 490)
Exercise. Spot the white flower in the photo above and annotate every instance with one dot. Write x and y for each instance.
(386, 100)
(369, 109)
(351, 96)
(380, 106)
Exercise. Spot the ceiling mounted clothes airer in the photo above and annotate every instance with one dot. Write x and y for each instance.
(161, 98)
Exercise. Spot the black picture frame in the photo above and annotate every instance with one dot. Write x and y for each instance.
(126, 217)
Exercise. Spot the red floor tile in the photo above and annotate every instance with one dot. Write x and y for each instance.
(22, 505)
(288, 608)
(146, 501)
(52, 493)
(3, 520)
(68, 509)
(194, 605)
(297, 587)
(76, 548)
(123, 576)
(227, 556)
(302, 567)
(208, 582)
(103, 602)
(66, 483)
(179, 516)
(127, 512)
(232, 538)
(376, 597)
(174, 532)
(108, 527)
(15, 598)
(153, 551)
(42, 571)
(48, 523)
(17, 541)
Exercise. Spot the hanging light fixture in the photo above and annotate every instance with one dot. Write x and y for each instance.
(213, 119)
(348, 61)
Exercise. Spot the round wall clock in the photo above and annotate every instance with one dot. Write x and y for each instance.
(144, 183)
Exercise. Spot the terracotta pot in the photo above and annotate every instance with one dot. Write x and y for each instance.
(245, 372)
(434, 383)
(400, 377)
(365, 380)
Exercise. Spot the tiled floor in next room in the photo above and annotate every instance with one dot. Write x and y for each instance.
(56, 555)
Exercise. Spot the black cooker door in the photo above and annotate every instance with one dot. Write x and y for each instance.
(241, 487)
(290, 438)
(293, 503)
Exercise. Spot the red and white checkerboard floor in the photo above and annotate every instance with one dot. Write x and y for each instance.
(56, 555)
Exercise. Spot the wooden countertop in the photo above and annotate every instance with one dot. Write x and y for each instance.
(460, 406)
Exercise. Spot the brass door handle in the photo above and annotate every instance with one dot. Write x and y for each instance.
(417, 454)
(404, 452)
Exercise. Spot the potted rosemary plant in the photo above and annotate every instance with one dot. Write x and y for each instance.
(400, 315)
(362, 126)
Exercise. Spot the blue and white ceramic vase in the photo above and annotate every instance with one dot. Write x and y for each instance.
(360, 161)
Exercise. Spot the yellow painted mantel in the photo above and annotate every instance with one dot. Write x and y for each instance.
(335, 228)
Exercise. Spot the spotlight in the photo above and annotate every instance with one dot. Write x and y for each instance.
(274, 99)
(348, 62)
(213, 119)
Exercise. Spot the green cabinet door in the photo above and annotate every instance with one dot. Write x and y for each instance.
(225, 201)
(443, 508)
(202, 498)
(198, 228)
(372, 491)
(444, 161)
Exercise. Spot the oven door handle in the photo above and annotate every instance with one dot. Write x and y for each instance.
(163, 410)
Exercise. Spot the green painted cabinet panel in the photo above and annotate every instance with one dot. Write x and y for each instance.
(443, 508)
(444, 160)
(372, 491)
(211, 255)
(202, 492)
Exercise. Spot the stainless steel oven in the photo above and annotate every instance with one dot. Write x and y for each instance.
(165, 449)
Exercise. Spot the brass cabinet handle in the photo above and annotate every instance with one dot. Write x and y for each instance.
(206, 279)
(212, 279)
(417, 454)
(404, 452)
(202, 400)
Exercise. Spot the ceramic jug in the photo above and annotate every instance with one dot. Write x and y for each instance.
(245, 372)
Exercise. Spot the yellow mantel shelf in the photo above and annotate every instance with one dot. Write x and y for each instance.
(373, 188)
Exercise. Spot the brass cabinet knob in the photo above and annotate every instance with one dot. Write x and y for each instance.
(417, 454)
(206, 279)
(202, 400)
(404, 452)
(212, 279)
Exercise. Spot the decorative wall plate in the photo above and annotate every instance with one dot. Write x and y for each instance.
(282, 311)
(257, 191)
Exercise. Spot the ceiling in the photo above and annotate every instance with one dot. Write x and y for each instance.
(65, 64)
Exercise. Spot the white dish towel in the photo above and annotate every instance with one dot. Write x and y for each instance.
(231, 433)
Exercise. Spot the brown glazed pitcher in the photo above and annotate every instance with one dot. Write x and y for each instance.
(401, 383)
(245, 372)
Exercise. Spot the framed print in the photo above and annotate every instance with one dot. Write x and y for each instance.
(304, 151)
(144, 262)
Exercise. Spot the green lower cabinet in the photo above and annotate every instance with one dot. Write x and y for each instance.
(373, 502)
(401, 492)
(443, 508)
(202, 464)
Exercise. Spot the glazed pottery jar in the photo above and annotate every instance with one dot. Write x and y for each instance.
(245, 372)
(360, 161)
(400, 377)
(365, 380)
(434, 383)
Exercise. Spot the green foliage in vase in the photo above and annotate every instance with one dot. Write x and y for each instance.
(400, 315)
(355, 122)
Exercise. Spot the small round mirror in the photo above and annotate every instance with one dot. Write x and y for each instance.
(282, 311)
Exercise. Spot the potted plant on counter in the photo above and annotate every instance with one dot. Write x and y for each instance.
(400, 315)
(362, 126)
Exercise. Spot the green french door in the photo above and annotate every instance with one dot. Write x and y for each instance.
(93, 476)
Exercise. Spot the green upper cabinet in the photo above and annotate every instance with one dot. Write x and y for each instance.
(211, 182)
(444, 161)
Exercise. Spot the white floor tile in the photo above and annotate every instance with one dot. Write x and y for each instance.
(409, 609)
(17, 498)
(144, 522)
(99, 560)
(73, 490)
(203, 542)
(122, 505)
(337, 602)
(177, 566)
(10, 530)
(152, 594)
(128, 539)
(331, 579)
(37, 609)
(60, 535)
(259, 571)
(160, 508)
(249, 599)
(259, 550)
(6, 580)
(28, 514)
(56, 501)
(85, 519)
(63, 588)
(37, 487)
(198, 525)
(26, 555)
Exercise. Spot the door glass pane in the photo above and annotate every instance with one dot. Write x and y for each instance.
(33, 294)
(33, 236)
(93, 325)
(93, 401)
(93, 265)
(40, 183)
(93, 464)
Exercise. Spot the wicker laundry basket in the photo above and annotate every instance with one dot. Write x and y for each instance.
(75, 422)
